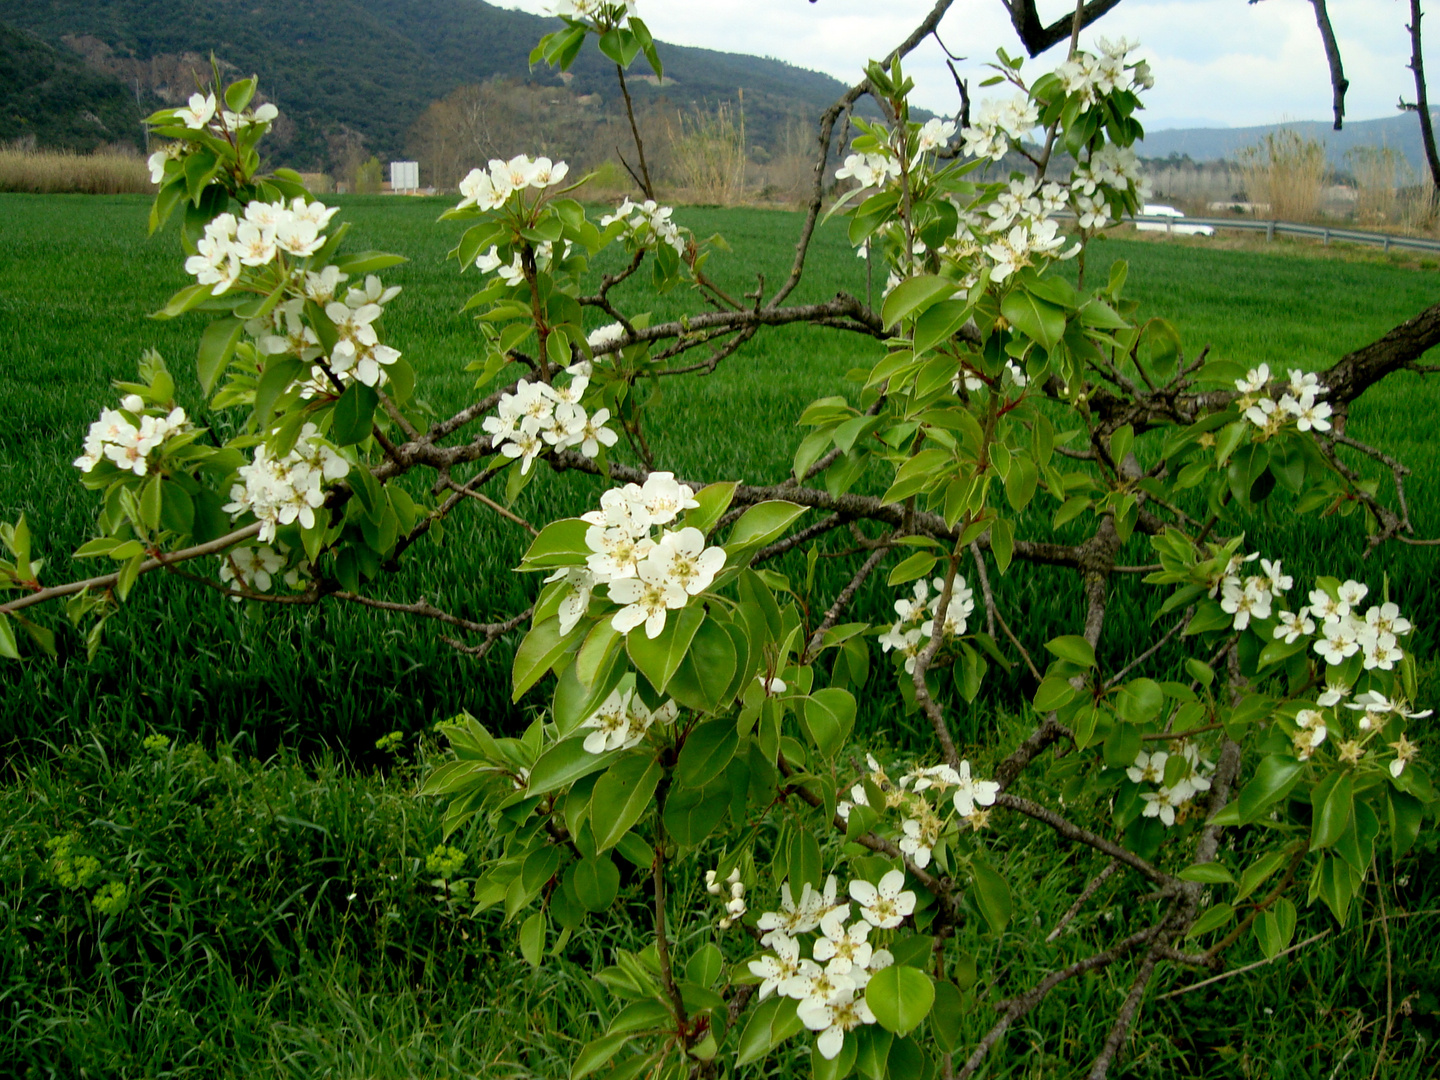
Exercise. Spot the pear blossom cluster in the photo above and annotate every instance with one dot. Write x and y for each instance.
(1251, 596)
(1313, 724)
(1012, 376)
(129, 436)
(1299, 401)
(1110, 167)
(923, 822)
(203, 111)
(491, 188)
(734, 888)
(541, 416)
(263, 233)
(282, 490)
(831, 998)
(1169, 800)
(916, 623)
(870, 170)
(623, 721)
(1091, 76)
(998, 125)
(646, 225)
(593, 10)
(648, 575)
(513, 272)
(255, 567)
(1345, 629)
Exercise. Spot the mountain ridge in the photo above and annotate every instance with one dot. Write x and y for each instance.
(1400, 132)
(346, 69)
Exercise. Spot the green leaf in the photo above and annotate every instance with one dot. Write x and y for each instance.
(9, 648)
(353, 414)
(597, 881)
(1213, 919)
(561, 543)
(707, 750)
(691, 814)
(563, 764)
(939, 323)
(947, 1016)
(217, 346)
(279, 373)
(622, 796)
(532, 939)
(1053, 694)
(597, 1054)
(538, 652)
(900, 997)
(1273, 778)
(1073, 648)
(1207, 874)
(714, 500)
(915, 294)
(992, 895)
(1336, 807)
(1041, 322)
(829, 717)
(916, 566)
(658, 658)
(761, 524)
(1256, 874)
(368, 262)
(705, 679)
(770, 1024)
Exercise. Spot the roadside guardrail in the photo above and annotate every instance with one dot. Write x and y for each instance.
(1323, 233)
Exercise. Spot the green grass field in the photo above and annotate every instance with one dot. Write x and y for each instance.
(241, 952)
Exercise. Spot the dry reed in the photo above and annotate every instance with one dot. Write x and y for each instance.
(1286, 172)
(48, 172)
(708, 158)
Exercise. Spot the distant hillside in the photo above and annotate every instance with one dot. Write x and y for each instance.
(1402, 132)
(342, 70)
(49, 94)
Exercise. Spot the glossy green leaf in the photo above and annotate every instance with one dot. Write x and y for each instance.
(900, 997)
(622, 796)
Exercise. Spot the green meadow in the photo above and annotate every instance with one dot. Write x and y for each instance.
(282, 920)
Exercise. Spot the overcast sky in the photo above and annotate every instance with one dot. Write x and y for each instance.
(1218, 63)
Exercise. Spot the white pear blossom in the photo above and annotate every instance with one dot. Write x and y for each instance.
(884, 904)
(198, 111)
(778, 969)
(279, 491)
(970, 793)
(609, 725)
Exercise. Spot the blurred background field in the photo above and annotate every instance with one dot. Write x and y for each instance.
(242, 951)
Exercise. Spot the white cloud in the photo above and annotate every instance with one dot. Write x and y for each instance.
(1225, 62)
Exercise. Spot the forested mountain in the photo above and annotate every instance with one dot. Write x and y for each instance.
(362, 71)
(50, 94)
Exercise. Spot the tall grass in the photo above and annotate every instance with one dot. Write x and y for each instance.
(1288, 172)
(1377, 172)
(708, 156)
(44, 172)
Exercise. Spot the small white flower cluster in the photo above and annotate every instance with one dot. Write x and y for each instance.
(917, 618)
(831, 998)
(513, 272)
(624, 721)
(491, 189)
(254, 567)
(358, 355)
(1250, 597)
(1089, 76)
(266, 231)
(174, 151)
(1346, 630)
(999, 124)
(647, 224)
(539, 415)
(934, 134)
(923, 823)
(648, 576)
(735, 907)
(1023, 244)
(606, 338)
(1164, 803)
(1111, 166)
(1013, 375)
(1025, 201)
(201, 112)
(870, 170)
(589, 9)
(127, 443)
(1375, 709)
(279, 491)
(1299, 401)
